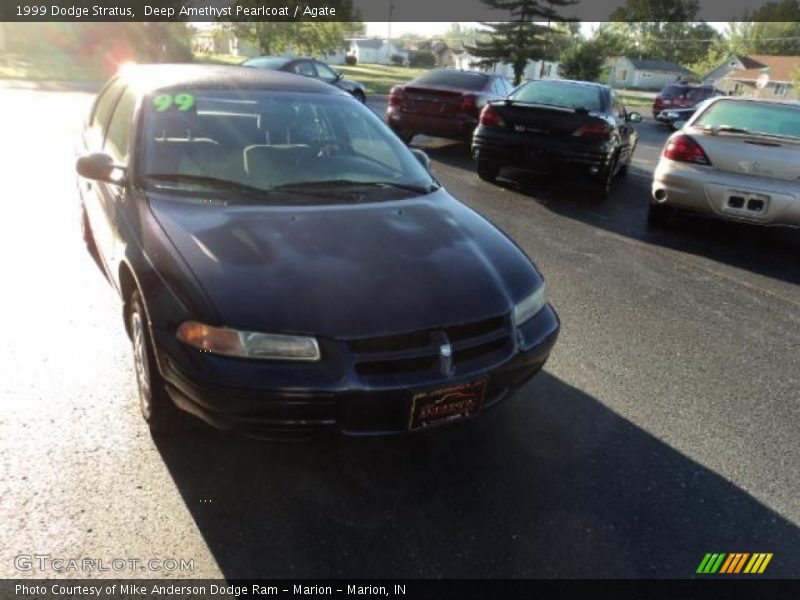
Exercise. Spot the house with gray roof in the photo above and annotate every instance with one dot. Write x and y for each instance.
(645, 73)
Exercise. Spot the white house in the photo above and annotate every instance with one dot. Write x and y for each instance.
(374, 50)
(536, 69)
(645, 73)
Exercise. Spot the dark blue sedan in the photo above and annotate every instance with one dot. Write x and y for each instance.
(287, 265)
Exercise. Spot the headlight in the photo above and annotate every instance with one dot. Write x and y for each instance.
(531, 305)
(248, 344)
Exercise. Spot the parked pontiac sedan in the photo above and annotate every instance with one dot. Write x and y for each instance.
(574, 127)
(287, 265)
(735, 159)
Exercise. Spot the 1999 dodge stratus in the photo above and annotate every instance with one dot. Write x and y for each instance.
(287, 265)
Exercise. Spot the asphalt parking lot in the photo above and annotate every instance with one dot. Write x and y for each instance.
(664, 426)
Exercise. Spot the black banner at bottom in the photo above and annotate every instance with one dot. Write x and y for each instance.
(445, 589)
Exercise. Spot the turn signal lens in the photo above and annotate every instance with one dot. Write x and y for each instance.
(490, 117)
(593, 129)
(530, 306)
(683, 148)
(248, 344)
(397, 95)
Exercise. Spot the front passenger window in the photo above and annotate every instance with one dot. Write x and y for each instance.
(118, 138)
(305, 68)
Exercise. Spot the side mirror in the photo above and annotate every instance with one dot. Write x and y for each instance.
(633, 117)
(422, 157)
(97, 166)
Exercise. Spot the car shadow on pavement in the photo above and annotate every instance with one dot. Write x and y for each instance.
(768, 251)
(550, 484)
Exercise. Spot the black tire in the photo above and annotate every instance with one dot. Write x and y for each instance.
(359, 95)
(487, 170)
(405, 136)
(623, 170)
(606, 180)
(659, 216)
(158, 410)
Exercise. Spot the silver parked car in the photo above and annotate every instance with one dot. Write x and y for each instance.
(736, 158)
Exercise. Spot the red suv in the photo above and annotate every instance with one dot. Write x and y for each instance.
(681, 95)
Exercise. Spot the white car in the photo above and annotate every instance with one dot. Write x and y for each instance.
(737, 159)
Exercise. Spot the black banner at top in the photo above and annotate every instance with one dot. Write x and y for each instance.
(372, 10)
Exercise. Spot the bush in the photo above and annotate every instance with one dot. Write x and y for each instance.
(422, 58)
(397, 59)
(351, 60)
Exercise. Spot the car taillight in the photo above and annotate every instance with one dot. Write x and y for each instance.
(397, 95)
(469, 104)
(683, 148)
(593, 130)
(491, 118)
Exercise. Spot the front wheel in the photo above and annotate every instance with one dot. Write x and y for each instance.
(405, 136)
(359, 95)
(487, 170)
(158, 410)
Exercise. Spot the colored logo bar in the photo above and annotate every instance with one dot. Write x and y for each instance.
(734, 563)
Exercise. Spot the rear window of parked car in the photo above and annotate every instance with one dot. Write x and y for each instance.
(556, 93)
(674, 91)
(466, 80)
(755, 117)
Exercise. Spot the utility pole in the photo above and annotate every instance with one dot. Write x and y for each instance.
(389, 32)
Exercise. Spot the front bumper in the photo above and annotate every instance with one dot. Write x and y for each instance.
(708, 191)
(540, 153)
(275, 403)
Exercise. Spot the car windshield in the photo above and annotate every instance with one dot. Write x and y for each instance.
(752, 117)
(265, 141)
(267, 62)
(556, 93)
(465, 80)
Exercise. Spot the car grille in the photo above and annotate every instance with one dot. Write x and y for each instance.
(402, 358)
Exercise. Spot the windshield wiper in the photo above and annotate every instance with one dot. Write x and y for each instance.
(328, 184)
(206, 180)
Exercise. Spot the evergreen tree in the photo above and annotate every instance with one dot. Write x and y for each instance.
(522, 37)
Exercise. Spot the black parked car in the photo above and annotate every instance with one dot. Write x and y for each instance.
(286, 264)
(309, 67)
(572, 127)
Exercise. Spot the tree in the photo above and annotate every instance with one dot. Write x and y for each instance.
(519, 39)
(772, 29)
(681, 42)
(585, 61)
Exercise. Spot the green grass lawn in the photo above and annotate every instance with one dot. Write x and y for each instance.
(219, 59)
(379, 79)
(49, 66)
(635, 100)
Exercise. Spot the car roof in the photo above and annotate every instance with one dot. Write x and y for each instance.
(149, 78)
(790, 103)
(573, 82)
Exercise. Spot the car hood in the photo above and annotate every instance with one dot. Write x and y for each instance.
(345, 271)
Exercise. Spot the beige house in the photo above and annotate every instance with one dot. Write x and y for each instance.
(761, 76)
